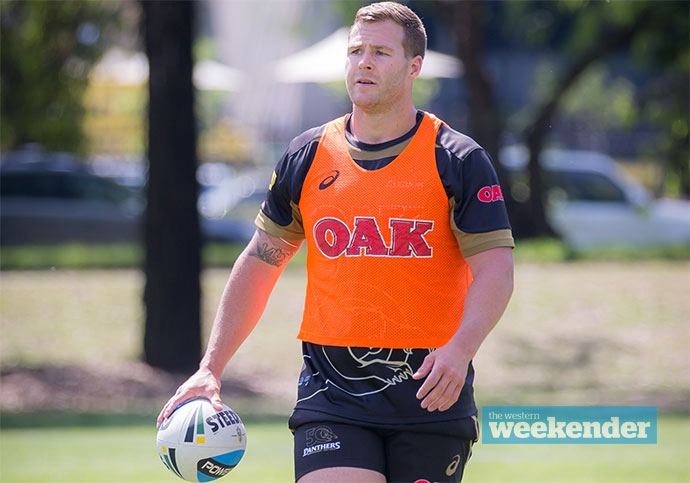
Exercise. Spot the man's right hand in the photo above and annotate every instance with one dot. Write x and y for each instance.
(244, 298)
(203, 383)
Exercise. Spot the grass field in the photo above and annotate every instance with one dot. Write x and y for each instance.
(128, 454)
(214, 254)
(574, 333)
(586, 332)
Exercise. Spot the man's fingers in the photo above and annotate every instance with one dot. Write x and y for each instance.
(427, 370)
(201, 384)
(445, 397)
(165, 412)
(168, 409)
(432, 400)
(425, 367)
(441, 388)
(452, 400)
(430, 382)
(216, 402)
(174, 402)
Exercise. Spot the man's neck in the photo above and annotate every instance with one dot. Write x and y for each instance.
(376, 128)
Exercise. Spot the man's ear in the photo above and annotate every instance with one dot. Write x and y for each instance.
(415, 66)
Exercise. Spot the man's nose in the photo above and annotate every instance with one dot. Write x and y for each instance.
(365, 62)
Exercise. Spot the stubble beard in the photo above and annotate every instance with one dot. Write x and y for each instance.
(378, 103)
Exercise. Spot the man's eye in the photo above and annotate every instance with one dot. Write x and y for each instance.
(354, 51)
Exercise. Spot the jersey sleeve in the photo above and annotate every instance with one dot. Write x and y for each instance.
(479, 217)
(478, 213)
(279, 214)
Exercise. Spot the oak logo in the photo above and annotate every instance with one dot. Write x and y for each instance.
(333, 238)
(489, 194)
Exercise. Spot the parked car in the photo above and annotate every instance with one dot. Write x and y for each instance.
(593, 202)
(54, 198)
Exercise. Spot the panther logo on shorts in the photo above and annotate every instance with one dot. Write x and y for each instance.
(369, 370)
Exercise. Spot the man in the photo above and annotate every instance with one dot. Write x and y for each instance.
(409, 268)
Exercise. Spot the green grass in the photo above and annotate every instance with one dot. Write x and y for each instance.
(553, 250)
(71, 255)
(622, 253)
(574, 333)
(89, 256)
(131, 255)
(119, 454)
(126, 454)
(80, 256)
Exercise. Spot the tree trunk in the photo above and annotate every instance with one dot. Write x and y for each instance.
(536, 133)
(486, 122)
(172, 338)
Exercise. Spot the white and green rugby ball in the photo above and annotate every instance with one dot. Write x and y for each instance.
(199, 443)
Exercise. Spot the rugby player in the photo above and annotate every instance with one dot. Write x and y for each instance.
(409, 268)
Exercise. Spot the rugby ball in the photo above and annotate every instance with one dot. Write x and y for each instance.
(199, 443)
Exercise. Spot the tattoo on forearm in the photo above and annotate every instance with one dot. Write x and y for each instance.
(271, 255)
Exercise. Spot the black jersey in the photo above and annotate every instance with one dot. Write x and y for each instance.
(370, 386)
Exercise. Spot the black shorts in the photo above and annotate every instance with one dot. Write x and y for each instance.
(399, 454)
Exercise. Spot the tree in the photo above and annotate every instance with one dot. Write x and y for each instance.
(663, 45)
(172, 295)
(48, 49)
(486, 120)
(609, 38)
(585, 33)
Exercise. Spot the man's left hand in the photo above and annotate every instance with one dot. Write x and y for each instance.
(445, 370)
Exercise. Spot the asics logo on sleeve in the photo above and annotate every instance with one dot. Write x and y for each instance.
(329, 180)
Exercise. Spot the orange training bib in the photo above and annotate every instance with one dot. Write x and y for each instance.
(384, 268)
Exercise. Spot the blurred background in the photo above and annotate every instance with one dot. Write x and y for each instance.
(137, 141)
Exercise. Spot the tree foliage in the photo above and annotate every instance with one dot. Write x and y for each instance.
(664, 47)
(654, 37)
(654, 34)
(47, 51)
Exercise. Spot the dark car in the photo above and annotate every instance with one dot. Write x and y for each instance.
(55, 198)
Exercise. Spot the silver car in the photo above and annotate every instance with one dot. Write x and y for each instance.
(593, 202)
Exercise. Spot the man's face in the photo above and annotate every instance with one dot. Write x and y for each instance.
(378, 74)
